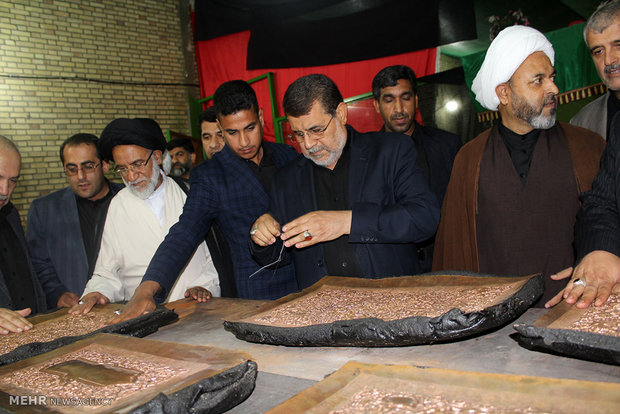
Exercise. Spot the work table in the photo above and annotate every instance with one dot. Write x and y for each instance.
(285, 371)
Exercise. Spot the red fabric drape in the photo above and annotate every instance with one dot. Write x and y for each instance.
(224, 58)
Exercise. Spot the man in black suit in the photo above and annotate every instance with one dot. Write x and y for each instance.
(20, 291)
(394, 89)
(353, 205)
(597, 235)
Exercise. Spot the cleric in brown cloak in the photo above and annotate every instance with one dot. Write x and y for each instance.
(513, 195)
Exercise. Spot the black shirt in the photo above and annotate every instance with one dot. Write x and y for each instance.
(14, 266)
(613, 106)
(422, 161)
(92, 216)
(265, 170)
(520, 148)
(331, 188)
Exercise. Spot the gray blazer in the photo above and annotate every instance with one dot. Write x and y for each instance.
(56, 246)
(593, 116)
(5, 299)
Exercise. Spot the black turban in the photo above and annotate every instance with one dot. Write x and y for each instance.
(143, 132)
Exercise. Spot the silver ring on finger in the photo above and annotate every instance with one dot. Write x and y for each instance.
(579, 282)
(307, 236)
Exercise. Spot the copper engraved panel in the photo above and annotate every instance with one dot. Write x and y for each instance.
(407, 310)
(107, 373)
(66, 325)
(336, 303)
(367, 388)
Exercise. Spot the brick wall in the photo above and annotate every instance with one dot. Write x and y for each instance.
(72, 66)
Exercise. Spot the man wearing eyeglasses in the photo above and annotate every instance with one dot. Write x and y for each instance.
(64, 227)
(354, 204)
(231, 189)
(139, 218)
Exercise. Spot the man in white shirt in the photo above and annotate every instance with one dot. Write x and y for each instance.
(139, 218)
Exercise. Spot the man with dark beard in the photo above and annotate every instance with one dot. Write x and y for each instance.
(513, 195)
(139, 218)
(65, 227)
(394, 90)
(183, 157)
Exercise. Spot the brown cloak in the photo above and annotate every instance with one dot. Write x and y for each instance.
(456, 247)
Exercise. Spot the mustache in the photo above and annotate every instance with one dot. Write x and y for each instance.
(3, 197)
(138, 181)
(551, 99)
(612, 67)
(316, 149)
(399, 115)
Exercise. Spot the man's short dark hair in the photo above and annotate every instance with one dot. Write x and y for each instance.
(77, 139)
(301, 95)
(181, 142)
(208, 115)
(390, 76)
(234, 96)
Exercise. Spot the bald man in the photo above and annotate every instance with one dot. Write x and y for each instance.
(513, 195)
(20, 291)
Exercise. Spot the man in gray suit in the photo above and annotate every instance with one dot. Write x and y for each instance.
(20, 291)
(602, 35)
(65, 227)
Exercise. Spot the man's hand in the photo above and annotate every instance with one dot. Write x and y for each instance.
(87, 302)
(599, 270)
(14, 321)
(67, 300)
(265, 230)
(320, 226)
(198, 293)
(140, 303)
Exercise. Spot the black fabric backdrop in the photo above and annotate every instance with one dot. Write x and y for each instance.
(299, 33)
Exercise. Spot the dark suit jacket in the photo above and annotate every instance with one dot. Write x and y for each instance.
(56, 245)
(440, 148)
(5, 299)
(226, 191)
(220, 253)
(392, 208)
(598, 220)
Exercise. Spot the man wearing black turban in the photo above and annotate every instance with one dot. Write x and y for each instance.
(139, 218)
(232, 190)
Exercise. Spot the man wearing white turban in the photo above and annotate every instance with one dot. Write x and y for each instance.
(513, 194)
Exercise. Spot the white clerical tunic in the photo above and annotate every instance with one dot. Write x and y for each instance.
(132, 234)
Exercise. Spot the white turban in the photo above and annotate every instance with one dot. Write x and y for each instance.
(507, 52)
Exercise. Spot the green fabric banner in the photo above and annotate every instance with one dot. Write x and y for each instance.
(573, 62)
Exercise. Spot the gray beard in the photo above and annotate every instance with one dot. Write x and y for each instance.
(542, 122)
(535, 118)
(150, 188)
(333, 157)
(178, 171)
